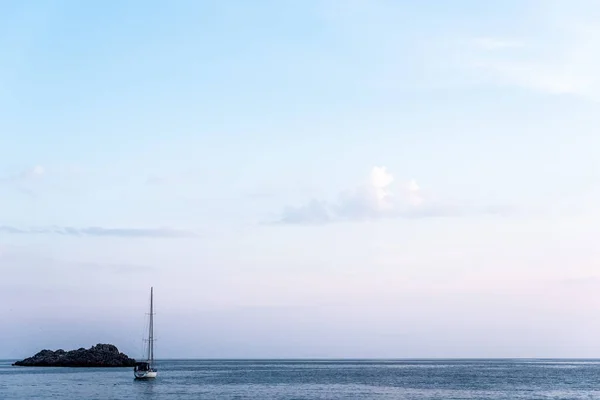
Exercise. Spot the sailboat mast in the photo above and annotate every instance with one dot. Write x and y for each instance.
(151, 328)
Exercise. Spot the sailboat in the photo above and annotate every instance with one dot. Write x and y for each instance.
(146, 369)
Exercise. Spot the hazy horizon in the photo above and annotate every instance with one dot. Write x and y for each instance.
(325, 359)
(357, 179)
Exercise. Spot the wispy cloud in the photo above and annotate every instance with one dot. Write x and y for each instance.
(157, 180)
(378, 198)
(592, 281)
(23, 180)
(551, 49)
(100, 231)
(33, 173)
(174, 178)
(490, 43)
(558, 57)
(116, 267)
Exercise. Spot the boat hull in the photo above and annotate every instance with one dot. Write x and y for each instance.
(145, 374)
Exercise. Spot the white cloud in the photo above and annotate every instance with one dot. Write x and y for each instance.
(379, 198)
(372, 199)
(414, 193)
(23, 182)
(380, 182)
(33, 173)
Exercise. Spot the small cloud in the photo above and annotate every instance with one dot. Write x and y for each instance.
(100, 231)
(132, 232)
(376, 199)
(414, 193)
(157, 180)
(119, 268)
(33, 173)
(380, 181)
(315, 212)
(174, 178)
(592, 281)
(541, 77)
(11, 229)
(22, 182)
(372, 199)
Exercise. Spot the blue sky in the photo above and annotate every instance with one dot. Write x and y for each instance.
(301, 179)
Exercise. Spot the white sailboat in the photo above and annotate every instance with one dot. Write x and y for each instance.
(146, 369)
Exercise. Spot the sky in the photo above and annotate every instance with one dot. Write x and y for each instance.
(325, 178)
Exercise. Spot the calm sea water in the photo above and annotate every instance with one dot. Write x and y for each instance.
(451, 379)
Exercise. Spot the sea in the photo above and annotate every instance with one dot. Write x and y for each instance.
(313, 379)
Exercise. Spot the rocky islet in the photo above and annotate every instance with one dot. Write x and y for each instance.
(100, 355)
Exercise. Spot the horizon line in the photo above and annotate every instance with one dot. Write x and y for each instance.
(366, 359)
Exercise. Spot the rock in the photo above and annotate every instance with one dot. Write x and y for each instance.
(100, 355)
